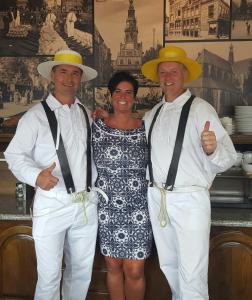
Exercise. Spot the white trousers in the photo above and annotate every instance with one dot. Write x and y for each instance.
(63, 228)
(183, 244)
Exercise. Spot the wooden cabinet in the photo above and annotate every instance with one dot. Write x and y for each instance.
(17, 262)
(230, 266)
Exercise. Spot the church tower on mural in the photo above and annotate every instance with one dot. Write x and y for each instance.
(129, 57)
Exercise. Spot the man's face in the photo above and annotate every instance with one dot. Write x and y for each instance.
(172, 76)
(66, 79)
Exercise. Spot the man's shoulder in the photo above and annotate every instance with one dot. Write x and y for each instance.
(199, 104)
(150, 113)
(36, 110)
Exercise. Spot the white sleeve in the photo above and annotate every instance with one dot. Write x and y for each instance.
(224, 156)
(19, 153)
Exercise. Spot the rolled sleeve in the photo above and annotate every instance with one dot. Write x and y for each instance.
(224, 155)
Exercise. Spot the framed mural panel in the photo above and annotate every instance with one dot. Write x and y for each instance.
(42, 27)
(128, 32)
(197, 20)
(226, 79)
(241, 19)
(21, 87)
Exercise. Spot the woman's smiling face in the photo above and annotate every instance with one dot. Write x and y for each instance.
(123, 97)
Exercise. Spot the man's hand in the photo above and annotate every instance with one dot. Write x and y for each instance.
(46, 180)
(208, 139)
(100, 113)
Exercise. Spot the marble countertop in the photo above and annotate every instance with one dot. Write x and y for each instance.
(229, 217)
(232, 217)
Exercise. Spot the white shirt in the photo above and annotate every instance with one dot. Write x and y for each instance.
(32, 149)
(195, 167)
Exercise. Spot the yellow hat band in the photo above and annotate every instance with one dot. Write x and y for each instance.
(68, 58)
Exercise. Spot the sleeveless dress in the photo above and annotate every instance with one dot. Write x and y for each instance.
(121, 159)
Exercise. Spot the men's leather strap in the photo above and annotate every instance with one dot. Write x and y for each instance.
(61, 153)
(89, 161)
(149, 144)
(171, 176)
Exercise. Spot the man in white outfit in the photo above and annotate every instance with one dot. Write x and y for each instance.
(64, 220)
(181, 216)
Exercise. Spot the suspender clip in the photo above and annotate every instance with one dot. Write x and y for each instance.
(150, 184)
(167, 187)
(71, 190)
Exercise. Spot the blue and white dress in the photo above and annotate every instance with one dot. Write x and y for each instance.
(121, 159)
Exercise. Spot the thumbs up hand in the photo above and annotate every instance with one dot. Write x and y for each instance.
(208, 139)
(46, 180)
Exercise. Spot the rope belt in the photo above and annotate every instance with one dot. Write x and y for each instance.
(163, 216)
(78, 197)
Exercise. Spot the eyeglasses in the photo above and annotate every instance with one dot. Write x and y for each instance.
(125, 92)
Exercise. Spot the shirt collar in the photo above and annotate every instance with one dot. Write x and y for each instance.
(55, 104)
(179, 101)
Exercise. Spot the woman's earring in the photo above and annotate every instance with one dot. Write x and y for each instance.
(110, 108)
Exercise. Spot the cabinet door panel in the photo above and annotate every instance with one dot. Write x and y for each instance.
(230, 266)
(17, 262)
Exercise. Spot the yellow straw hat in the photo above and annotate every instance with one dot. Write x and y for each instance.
(171, 53)
(66, 57)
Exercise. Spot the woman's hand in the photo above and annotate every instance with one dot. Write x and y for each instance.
(100, 113)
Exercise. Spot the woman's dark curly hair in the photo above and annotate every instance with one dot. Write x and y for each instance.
(119, 77)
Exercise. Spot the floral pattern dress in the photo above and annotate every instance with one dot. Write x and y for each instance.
(121, 159)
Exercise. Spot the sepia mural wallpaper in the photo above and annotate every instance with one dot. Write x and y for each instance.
(115, 35)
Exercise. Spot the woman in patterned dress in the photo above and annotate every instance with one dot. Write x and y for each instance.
(120, 154)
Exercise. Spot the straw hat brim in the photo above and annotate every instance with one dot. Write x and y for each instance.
(45, 69)
(149, 69)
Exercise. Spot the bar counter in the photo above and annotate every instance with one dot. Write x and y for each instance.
(229, 217)
(230, 258)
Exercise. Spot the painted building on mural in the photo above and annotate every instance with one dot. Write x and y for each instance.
(67, 5)
(214, 18)
(243, 71)
(191, 19)
(175, 17)
(64, 5)
(103, 58)
(203, 19)
(218, 84)
(130, 54)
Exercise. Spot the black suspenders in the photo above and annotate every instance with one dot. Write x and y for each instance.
(61, 153)
(149, 144)
(171, 176)
(89, 162)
